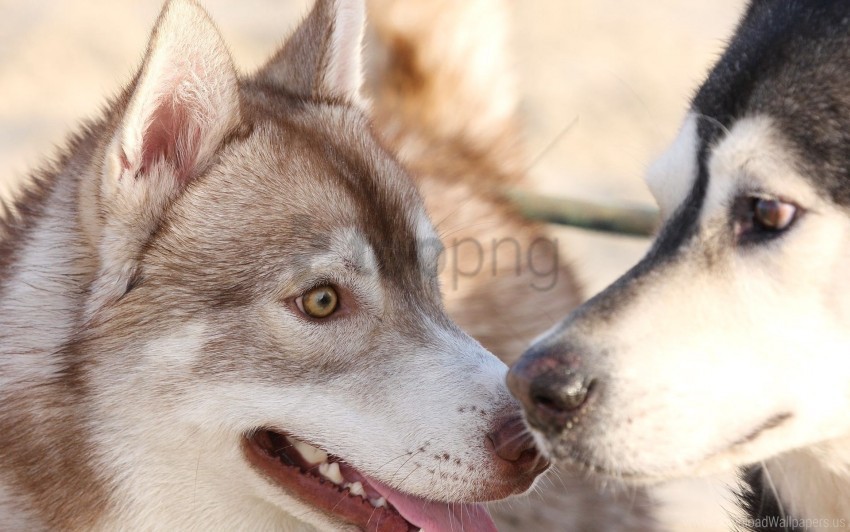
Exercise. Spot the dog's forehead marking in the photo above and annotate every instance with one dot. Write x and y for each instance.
(673, 174)
(743, 158)
(350, 247)
(346, 256)
(380, 193)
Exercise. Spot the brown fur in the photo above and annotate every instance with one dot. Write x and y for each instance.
(44, 445)
(147, 230)
(42, 433)
(460, 154)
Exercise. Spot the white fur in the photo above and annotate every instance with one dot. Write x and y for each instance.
(182, 457)
(179, 464)
(348, 245)
(344, 74)
(672, 175)
(430, 246)
(812, 483)
(725, 338)
(22, 518)
(32, 331)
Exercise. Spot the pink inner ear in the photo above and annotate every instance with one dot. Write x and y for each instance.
(172, 136)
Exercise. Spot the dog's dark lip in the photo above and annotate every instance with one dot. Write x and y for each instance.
(269, 453)
(771, 423)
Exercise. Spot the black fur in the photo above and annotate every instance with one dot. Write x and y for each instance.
(790, 60)
(761, 506)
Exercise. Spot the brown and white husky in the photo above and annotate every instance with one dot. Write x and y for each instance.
(222, 269)
(219, 310)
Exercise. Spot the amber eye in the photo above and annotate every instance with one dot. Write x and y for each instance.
(773, 214)
(319, 302)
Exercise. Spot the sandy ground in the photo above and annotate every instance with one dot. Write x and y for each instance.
(621, 72)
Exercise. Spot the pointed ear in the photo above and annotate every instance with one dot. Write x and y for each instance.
(322, 59)
(182, 104)
(185, 98)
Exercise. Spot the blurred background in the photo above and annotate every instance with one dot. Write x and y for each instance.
(619, 73)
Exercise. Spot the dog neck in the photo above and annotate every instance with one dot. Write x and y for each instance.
(46, 268)
(49, 268)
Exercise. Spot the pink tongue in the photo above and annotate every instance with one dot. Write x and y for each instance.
(437, 516)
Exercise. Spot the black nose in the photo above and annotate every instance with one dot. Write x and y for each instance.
(560, 391)
(550, 387)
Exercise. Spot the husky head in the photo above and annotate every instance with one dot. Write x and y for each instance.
(728, 343)
(264, 334)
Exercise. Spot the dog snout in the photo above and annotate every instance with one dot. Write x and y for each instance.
(514, 449)
(551, 387)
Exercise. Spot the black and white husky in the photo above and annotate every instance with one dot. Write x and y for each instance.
(728, 345)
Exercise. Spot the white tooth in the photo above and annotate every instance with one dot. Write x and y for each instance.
(356, 489)
(378, 503)
(331, 472)
(308, 452)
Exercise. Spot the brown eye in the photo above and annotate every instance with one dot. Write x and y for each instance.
(773, 214)
(761, 219)
(319, 302)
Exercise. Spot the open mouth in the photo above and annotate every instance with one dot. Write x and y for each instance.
(329, 484)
